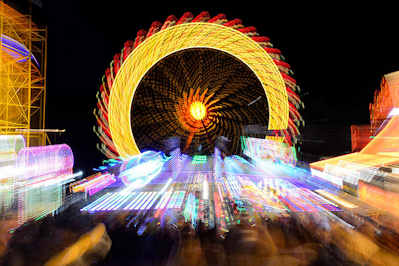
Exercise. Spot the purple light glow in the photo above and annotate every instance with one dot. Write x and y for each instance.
(15, 49)
(96, 187)
(42, 160)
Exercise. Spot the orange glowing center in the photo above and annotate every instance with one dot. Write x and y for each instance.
(198, 110)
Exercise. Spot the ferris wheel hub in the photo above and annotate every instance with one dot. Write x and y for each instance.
(198, 110)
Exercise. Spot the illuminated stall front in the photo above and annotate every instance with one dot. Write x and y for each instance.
(43, 171)
(10, 145)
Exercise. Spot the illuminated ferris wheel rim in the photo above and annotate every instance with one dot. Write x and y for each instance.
(181, 37)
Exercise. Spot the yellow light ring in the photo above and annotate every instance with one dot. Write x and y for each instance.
(186, 36)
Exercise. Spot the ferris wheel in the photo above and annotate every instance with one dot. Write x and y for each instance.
(196, 77)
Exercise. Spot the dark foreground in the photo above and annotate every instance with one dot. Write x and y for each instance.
(298, 239)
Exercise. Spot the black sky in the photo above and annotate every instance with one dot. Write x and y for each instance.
(338, 55)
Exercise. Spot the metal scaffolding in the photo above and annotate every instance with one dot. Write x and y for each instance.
(23, 63)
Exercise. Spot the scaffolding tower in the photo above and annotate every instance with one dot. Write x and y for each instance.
(23, 63)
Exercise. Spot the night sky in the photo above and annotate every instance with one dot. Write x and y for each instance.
(338, 56)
